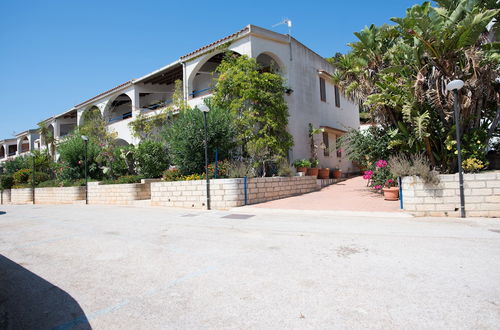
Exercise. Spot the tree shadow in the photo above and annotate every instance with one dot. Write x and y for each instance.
(27, 301)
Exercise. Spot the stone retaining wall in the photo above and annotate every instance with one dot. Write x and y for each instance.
(5, 196)
(59, 195)
(21, 196)
(482, 195)
(123, 194)
(228, 193)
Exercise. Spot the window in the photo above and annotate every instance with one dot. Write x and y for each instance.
(326, 142)
(337, 97)
(322, 90)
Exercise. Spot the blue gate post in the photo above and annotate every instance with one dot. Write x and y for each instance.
(400, 192)
(245, 189)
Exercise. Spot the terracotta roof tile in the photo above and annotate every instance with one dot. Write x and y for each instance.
(101, 94)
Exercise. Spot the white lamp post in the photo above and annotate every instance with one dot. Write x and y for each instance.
(455, 86)
(205, 109)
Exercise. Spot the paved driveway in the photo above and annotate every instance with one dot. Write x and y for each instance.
(349, 195)
(109, 267)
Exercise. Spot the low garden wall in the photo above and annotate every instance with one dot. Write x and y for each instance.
(5, 196)
(21, 196)
(123, 194)
(59, 195)
(482, 195)
(228, 193)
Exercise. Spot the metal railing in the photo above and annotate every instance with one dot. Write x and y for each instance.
(121, 117)
(201, 92)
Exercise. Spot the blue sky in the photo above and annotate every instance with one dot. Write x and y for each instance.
(55, 54)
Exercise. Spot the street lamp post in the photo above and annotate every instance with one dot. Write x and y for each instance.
(32, 176)
(204, 108)
(85, 141)
(455, 86)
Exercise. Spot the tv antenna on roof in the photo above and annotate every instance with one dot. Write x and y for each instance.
(288, 22)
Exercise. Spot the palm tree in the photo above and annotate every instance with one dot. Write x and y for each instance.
(48, 139)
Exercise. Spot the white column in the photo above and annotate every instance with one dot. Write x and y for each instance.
(57, 129)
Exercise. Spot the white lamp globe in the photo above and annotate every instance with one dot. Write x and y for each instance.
(455, 84)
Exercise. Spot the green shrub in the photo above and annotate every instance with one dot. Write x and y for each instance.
(21, 186)
(185, 138)
(6, 181)
(58, 183)
(172, 174)
(39, 177)
(124, 179)
(151, 159)
(365, 147)
(18, 163)
(72, 158)
(21, 176)
(302, 163)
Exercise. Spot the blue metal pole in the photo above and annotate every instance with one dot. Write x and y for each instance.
(245, 189)
(400, 193)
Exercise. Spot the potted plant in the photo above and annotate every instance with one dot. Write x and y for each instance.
(313, 170)
(337, 173)
(391, 190)
(324, 173)
(301, 165)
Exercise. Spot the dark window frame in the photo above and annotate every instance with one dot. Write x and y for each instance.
(337, 96)
(326, 142)
(322, 89)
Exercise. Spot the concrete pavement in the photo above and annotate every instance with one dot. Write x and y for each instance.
(109, 267)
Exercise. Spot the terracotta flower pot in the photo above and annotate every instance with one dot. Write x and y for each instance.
(312, 171)
(302, 169)
(324, 173)
(337, 174)
(391, 194)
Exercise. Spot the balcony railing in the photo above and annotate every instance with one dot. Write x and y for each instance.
(121, 117)
(201, 92)
(157, 106)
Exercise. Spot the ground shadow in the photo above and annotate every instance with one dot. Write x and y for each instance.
(27, 301)
(2, 212)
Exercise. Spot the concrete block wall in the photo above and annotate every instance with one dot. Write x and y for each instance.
(21, 196)
(5, 196)
(59, 195)
(228, 193)
(122, 194)
(481, 190)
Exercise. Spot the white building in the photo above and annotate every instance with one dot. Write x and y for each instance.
(312, 97)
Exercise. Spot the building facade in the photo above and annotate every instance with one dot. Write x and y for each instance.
(311, 98)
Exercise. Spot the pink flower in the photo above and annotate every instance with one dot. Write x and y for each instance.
(381, 163)
(79, 162)
(377, 187)
(367, 177)
(369, 173)
(390, 181)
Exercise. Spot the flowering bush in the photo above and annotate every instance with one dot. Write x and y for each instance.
(472, 165)
(380, 176)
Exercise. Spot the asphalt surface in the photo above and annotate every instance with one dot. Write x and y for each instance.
(109, 267)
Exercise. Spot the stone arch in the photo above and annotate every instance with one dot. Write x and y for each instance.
(119, 108)
(201, 79)
(269, 62)
(24, 145)
(92, 111)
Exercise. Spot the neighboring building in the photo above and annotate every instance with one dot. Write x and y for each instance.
(312, 98)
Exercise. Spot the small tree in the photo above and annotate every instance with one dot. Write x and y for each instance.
(48, 139)
(185, 138)
(256, 101)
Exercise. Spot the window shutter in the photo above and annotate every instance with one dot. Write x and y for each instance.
(322, 90)
(326, 142)
(337, 97)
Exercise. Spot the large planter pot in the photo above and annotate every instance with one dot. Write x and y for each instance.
(324, 173)
(312, 171)
(302, 169)
(337, 174)
(391, 194)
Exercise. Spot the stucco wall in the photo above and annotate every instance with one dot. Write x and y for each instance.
(482, 195)
(228, 193)
(59, 195)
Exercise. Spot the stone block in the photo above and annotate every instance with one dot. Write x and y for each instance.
(475, 184)
(481, 192)
(493, 184)
(426, 207)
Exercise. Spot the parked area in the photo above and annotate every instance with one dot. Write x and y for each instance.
(109, 267)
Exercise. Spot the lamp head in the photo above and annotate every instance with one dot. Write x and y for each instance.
(455, 84)
(85, 138)
(203, 107)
